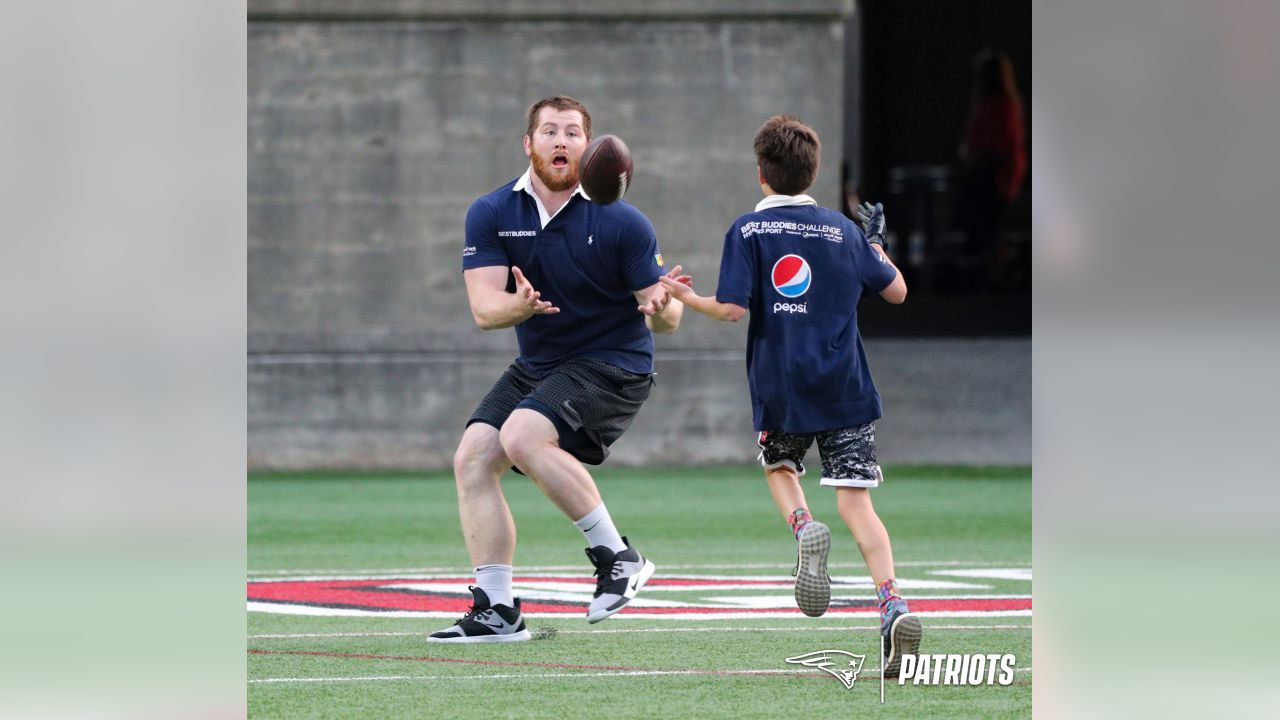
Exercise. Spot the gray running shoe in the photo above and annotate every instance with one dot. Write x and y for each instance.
(901, 631)
(619, 576)
(813, 585)
(485, 623)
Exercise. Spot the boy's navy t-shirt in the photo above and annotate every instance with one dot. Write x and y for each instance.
(587, 261)
(800, 270)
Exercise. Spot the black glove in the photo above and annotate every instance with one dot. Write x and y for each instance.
(872, 219)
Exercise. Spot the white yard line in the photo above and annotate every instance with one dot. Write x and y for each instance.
(540, 676)
(516, 676)
(331, 574)
(841, 628)
(572, 581)
(780, 614)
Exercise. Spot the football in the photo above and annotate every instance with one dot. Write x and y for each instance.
(606, 169)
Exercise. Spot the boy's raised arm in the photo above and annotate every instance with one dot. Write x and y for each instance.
(706, 305)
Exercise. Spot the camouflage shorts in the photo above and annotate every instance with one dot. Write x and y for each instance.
(848, 454)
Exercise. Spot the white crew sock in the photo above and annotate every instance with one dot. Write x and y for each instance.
(495, 581)
(598, 528)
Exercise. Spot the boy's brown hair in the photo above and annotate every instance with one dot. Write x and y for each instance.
(559, 102)
(788, 152)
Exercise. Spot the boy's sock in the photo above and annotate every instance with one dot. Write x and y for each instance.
(495, 581)
(798, 519)
(598, 528)
(889, 598)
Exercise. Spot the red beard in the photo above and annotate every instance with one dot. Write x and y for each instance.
(558, 182)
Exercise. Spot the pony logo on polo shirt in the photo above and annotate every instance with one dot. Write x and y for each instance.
(791, 278)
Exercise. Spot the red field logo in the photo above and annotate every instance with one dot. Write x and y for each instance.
(669, 597)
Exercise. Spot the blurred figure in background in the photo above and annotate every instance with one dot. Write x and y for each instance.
(993, 156)
(852, 199)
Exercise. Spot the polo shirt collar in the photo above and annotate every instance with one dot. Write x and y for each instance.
(774, 201)
(525, 183)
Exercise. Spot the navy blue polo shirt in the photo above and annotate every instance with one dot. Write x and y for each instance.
(587, 261)
(800, 270)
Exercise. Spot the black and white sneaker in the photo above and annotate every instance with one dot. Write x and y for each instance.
(485, 623)
(900, 633)
(813, 585)
(619, 576)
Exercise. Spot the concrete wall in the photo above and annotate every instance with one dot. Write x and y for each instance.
(952, 401)
(370, 133)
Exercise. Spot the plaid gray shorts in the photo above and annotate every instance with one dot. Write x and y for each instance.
(848, 454)
(590, 402)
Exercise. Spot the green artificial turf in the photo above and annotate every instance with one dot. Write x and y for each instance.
(939, 518)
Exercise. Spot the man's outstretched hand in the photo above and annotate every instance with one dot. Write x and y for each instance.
(661, 297)
(530, 298)
(678, 286)
(659, 300)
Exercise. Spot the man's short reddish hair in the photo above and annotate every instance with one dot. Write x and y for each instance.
(559, 102)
